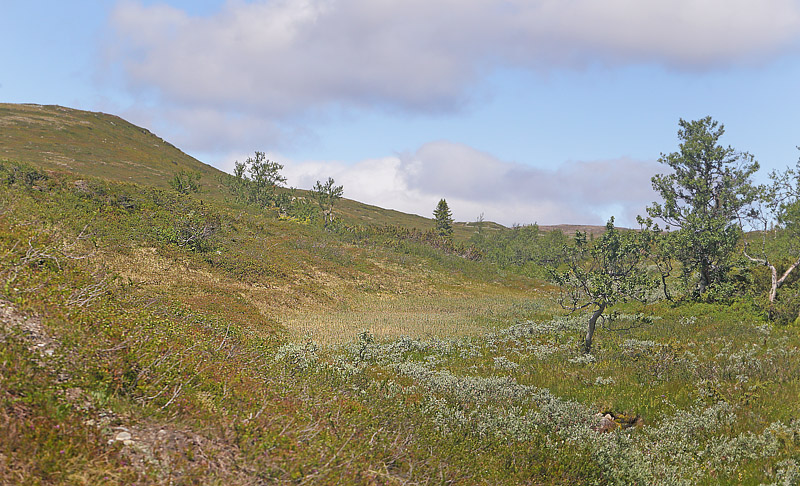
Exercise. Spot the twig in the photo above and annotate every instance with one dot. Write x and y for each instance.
(174, 396)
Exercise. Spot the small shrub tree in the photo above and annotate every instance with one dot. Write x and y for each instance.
(256, 179)
(604, 272)
(185, 182)
(326, 196)
(704, 198)
(779, 204)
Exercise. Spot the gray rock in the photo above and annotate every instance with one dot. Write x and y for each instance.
(123, 436)
(606, 424)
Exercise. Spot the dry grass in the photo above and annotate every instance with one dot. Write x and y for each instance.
(339, 310)
(439, 314)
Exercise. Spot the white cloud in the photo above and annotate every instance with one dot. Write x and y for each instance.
(475, 182)
(283, 57)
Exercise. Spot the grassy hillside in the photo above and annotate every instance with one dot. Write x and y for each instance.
(150, 337)
(95, 144)
(106, 146)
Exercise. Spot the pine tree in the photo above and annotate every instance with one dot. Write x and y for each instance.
(444, 219)
(704, 196)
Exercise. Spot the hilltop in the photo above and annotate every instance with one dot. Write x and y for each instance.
(92, 144)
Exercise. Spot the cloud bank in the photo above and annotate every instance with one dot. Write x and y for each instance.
(474, 182)
(258, 73)
(283, 58)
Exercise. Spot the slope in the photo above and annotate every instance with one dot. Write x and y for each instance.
(92, 144)
(106, 146)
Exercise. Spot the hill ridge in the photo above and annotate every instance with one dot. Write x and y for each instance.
(108, 146)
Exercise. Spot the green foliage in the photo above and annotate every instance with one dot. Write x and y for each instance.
(398, 238)
(256, 180)
(444, 219)
(185, 182)
(704, 196)
(326, 196)
(23, 174)
(298, 208)
(786, 307)
(194, 230)
(523, 249)
(776, 219)
(782, 198)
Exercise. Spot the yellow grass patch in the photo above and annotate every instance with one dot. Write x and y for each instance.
(437, 314)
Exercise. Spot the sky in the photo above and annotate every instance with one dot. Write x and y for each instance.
(523, 111)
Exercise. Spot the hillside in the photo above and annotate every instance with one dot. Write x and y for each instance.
(106, 146)
(153, 337)
(94, 144)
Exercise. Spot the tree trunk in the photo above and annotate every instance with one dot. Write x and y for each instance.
(587, 343)
(664, 286)
(773, 289)
(705, 279)
(776, 284)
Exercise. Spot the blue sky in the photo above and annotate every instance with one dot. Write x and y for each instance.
(525, 110)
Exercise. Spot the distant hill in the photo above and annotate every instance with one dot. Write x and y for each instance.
(106, 146)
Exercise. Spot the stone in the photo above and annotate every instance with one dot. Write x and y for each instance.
(607, 424)
(123, 436)
(82, 186)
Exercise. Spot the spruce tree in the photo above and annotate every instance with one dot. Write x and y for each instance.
(444, 219)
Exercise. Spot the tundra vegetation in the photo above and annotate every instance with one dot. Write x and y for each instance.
(152, 335)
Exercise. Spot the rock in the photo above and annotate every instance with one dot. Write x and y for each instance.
(123, 436)
(82, 186)
(608, 421)
(607, 424)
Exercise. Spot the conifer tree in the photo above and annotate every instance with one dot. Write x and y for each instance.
(444, 219)
(704, 196)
